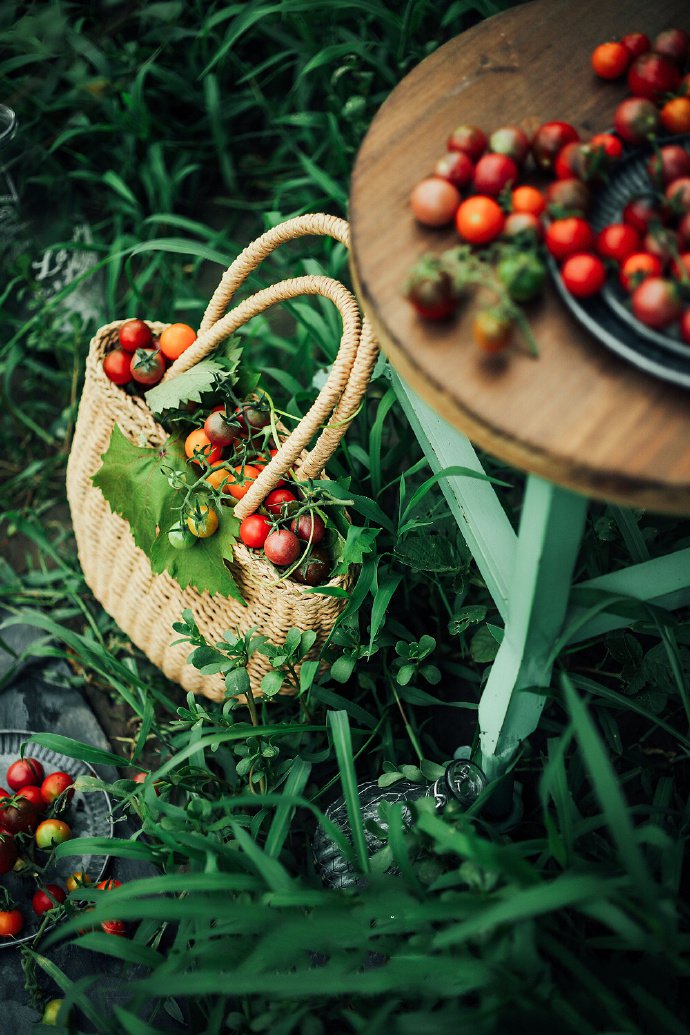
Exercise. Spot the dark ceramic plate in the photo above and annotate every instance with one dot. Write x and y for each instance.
(608, 316)
(89, 815)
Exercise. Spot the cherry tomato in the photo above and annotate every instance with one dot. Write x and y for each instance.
(606, 142)
(638, 267)
(493, 173)
(673, 44)
(109, 884)
(279, 499)
(662, 242)
(4, 793)
(434, 201)
(469, 139)
(642, 212)
(572, 161)
(18, 815)
(56, 784)
(479, 220)
(134, 334)
(11, 923)
(142, 778)
(569, 236)
(219, 430)
(254, 416)
(656, 303)
(314, 568)
(116, 927)
(491, 331)
(685, 326)
(636, 42)
(198, 445)
(652, 75)
(523, 274)
(667, 164)
(8, 852)
(42, 900)
(636, 119)
(203, 523)
(254, 530)
(218, 478)
(180, 538)
(675, 115)
(116, 366)
(429, 288)
(511, 141)
(527, 199)
(308, 527)
(176, 339)
(456, 167)
(523, 224)
(147, 366)
(78, 879)
(583, 274)
(684, 231)
(549, 139)
(684, 88)
(264, 461)
(34, 796)
(617, 241)
(52, 832)
(610, 60)
(282, 547)
(25, 772)
(240, 482)
(678, 194)
(568, 197)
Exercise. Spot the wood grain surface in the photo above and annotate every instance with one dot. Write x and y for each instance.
(578, 415)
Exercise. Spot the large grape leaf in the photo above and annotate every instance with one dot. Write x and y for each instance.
(136, 483)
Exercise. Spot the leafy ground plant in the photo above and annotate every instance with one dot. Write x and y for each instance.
(181, 132)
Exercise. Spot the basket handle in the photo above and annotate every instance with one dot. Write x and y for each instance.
(342, 393)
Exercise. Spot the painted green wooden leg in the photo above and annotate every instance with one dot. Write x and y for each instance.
(551, 528)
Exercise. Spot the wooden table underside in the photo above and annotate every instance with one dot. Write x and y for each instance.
(578, 415)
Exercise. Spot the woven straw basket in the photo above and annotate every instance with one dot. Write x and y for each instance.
(145, 604)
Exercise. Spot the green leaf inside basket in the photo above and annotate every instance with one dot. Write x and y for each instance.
(133, 482)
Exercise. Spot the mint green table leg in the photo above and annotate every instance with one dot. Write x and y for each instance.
(551, 528)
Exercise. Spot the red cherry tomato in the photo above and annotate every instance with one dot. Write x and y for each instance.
(656, 303)
(308, 527)
(25, 772)
(511, 141)
(583, 275)
(55, 784)
(134, 334)
(434, 201)
(617, 241)
(678, 194)
(636, 120)
(109, 884)
(116, 927)
(42, 901)
(34, 796)
(549, 139)
(18, 815)
(568, 198)
(642, 212)
(469, 139)
(569, 236)
(610, 60)
(673, 44)
(456, 167)
(636, 42)
(652, 75)
(116, 366)
(685, 326)
(11, 923)
(479, 220)
(240, 481)
(279, 501)
(282, 547)
(493, 173)
(572, 161)
(528, 199)
(219, 430)
(254, 530)
(147, 366)
(667, 164)
(637, 268)
(606, 142)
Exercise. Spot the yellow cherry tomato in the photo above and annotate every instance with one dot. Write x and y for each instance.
(203, 523)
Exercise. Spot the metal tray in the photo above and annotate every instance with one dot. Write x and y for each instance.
(607, 316)
(89, 815)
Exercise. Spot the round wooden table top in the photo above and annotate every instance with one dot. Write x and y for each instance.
(577, 415)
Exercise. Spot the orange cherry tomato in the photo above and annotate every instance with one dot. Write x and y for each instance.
(528, 199)
(675, 115)
(239, 484)
(264, 462)
(175, 339)
(198, 444)
(611, 60)
(217, 477)
(491, 331)
(479, 219)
